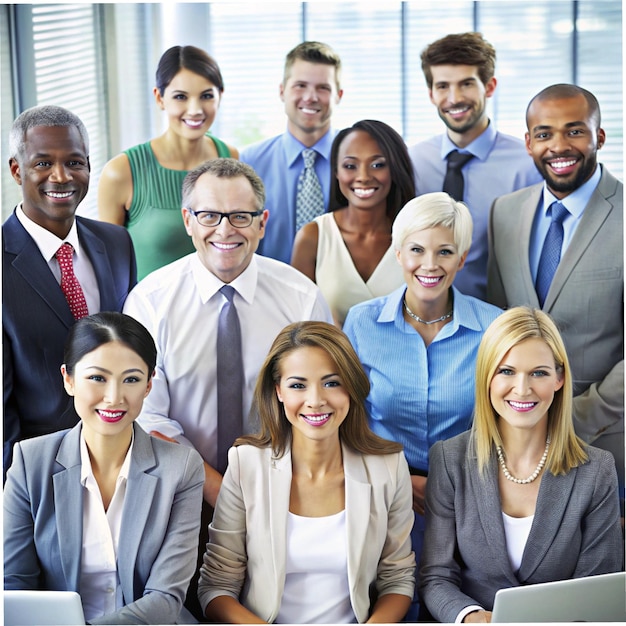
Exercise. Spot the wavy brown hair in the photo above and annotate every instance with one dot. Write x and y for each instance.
(275, 429)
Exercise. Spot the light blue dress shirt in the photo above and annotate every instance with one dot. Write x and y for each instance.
(500, 165)
(279, 163)
(575, 204)
(418, 394)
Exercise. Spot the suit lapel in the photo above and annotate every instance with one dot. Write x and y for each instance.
(96, 251)
(68, 507)
(358, 494)
(595, 214)
(32, 267)
(521, 238)
(279, 493)
(487, 495)
(140, 491)
(554, 494)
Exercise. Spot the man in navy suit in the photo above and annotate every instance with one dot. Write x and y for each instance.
(49, 159)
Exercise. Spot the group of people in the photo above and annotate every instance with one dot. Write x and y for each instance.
(336, 418)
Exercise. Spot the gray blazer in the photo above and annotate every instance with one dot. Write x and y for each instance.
(246, 553)
(43, 517)
(586, 298)
(576, 530)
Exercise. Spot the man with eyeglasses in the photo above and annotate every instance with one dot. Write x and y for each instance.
(180, 304)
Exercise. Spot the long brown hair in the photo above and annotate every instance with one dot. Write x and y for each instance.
(275, 429)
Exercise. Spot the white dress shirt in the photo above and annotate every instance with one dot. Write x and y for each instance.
(48, 243)
(180, 304)
(100, 588)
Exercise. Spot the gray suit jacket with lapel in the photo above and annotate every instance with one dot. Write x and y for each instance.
(586, 298)
(575, 532)
(246, 554)
(36, 319)
(156, 557)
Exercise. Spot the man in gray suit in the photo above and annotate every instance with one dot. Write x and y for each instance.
(559, 246)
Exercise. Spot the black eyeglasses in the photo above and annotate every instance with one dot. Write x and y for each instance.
(211, 219)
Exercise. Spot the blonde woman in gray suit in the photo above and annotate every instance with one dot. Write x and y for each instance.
(313, 520)
(519, 499)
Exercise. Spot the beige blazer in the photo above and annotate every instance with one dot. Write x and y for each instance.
(586, 298)
(246, 553)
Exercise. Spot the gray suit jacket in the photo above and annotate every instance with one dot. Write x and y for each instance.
(586, 298)
(43, 517)
(246, 554)
(576, 530)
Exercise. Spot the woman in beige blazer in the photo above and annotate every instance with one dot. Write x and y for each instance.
(314, 516)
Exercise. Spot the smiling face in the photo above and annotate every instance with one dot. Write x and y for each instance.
(191, 102)
(563, 139)
(224, 250)
(524, 385)
(430, 260)
(109, 385)
(461, 100)
(312, 392)
(362, 171)
(53, 171)
(310, 94)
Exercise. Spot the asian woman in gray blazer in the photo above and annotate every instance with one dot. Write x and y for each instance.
(105, 509)
(313, 520)
(519, 499)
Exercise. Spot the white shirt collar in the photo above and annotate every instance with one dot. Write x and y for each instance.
(47, 242)
(86, 471)
(208, 284)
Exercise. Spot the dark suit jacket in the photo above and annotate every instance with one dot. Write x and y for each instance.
(156, 557)
(586, 298)
(576, 530)
(36, 319)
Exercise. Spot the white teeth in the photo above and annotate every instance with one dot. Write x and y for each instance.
(55, 194)
(110, 414)
(521, 405)
(225, 246)
(364, 193)
(429, 280)
(194, 123)
(457, 111)
(309, 111)
(317, 418)
(557, 165)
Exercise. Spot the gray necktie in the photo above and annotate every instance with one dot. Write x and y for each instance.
(309, 197)
(453, 183)
(551, 251)
(230, 379)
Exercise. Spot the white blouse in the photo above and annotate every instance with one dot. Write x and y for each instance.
(516, 531)
(316, 582)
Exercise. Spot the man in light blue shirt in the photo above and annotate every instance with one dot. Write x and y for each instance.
(310, 90)
(459, 71)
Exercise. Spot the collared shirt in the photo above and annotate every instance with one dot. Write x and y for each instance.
(279, 163)
(575, 204)
(500, 165)
(100, 589)
(418, 394)
(180, 304)
(48, 244)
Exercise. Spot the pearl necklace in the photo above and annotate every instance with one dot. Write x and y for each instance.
(533, 476)
(419, 319)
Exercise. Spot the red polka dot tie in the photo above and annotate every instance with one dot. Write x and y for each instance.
(69, 283)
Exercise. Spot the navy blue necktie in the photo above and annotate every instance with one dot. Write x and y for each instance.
(453, 183)
(230, 379)
(551, 251)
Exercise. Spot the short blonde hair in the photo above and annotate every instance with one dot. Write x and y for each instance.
(429, 211)
(507, 331)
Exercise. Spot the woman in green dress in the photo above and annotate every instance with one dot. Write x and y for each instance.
(141, 187)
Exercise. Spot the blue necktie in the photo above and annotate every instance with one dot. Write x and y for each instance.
(551, 251)
(309, 196)
(230, 379)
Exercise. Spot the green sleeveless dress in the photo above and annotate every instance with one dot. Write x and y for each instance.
(154, 221)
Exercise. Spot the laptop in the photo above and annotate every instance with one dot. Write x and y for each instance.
(599, 598)
(42, 608)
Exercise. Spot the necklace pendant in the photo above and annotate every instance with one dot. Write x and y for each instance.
(420, 320)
